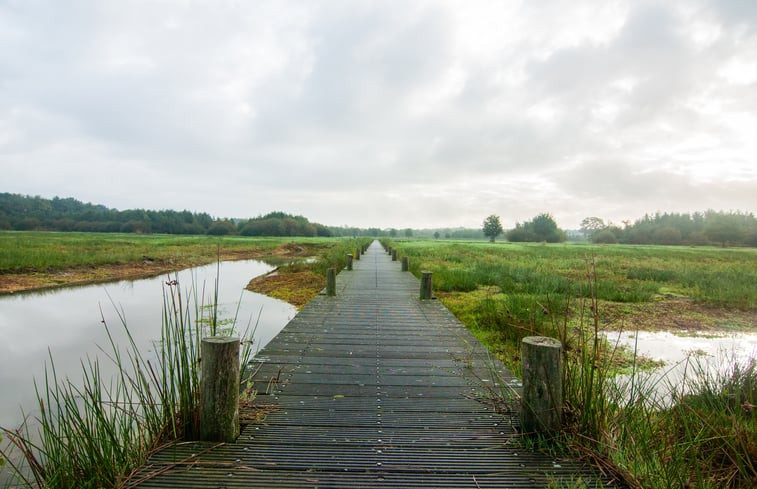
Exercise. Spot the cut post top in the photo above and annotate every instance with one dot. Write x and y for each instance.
(544, 341)
(220, 339)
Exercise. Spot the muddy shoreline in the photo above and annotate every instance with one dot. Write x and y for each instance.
(40, 280)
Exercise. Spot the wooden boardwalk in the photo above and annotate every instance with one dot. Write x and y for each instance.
(372, 388)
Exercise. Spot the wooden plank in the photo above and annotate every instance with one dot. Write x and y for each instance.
(373, 388)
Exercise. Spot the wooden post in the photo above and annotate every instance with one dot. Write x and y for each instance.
(388, 250)
(219, 407)
(541, 402)
(331, 282)
(394, 255)
(426, 278)
(349, 261)
(405, 264)
(357, 253)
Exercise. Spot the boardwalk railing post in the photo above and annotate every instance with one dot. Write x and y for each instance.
(426, 278)
(357, 253)
(331, 282)
(394, 255)
(349, 261)
(219, 401)
(541, 402)
(405, 264)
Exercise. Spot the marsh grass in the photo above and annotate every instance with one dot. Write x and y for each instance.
(698, 432)
(92, 432)
(37, 251)
(646, 432)
(632, 274)
(334, 255)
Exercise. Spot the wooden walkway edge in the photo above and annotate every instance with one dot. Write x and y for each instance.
(372, 388)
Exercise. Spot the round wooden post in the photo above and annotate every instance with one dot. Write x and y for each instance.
(388, 250)
(357, 253)
(426, 278)
(405, 264)
(219, 407)
(541, 402)
(349, 261)
(331, 282)
(394, 255)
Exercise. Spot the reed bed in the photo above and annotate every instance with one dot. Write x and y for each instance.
(94, 431)
(696, 432)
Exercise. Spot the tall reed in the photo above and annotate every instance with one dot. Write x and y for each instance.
(657, 432)
(94, 432)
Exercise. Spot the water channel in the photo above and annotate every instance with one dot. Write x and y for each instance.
(687, 357)
(66, 324)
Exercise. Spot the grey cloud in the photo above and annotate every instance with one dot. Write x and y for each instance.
(620, 189)
(340, 109)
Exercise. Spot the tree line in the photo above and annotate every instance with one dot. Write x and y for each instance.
(541, 228)
(22, 213)
(27, 213)
(700, 228)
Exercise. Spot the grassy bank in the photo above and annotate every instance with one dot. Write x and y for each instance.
(705, 436)
(36, 260)
(298, 281)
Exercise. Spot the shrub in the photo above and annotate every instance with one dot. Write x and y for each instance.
(604, 237)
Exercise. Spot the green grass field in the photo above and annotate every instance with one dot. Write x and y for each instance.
(46, 251)
(705, 436)
(716, 276)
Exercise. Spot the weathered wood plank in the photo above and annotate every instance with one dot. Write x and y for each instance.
(372, 388)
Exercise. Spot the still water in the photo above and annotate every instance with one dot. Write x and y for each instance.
(66, 324)
(688, 359)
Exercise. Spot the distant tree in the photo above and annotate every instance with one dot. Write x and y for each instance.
(393, 233)
(591, 225)
(518, 234)
(605, 236)
(323, 231)
(545, 229)
(724, 229)
(222, 228)
(492, 227)
(408, 233)
(436, 235)
(541, 228)
(666, 236)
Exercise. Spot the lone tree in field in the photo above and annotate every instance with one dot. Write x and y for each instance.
(492, 227)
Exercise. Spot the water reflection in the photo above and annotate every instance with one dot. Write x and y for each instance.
(685, 357)
(67, 324)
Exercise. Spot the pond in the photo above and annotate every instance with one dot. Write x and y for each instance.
(690, 356)
(66, 324)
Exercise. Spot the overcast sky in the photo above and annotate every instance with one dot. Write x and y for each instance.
(387, 113)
